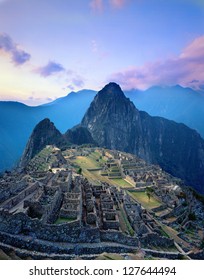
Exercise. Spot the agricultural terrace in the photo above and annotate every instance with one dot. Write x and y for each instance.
(142, 197)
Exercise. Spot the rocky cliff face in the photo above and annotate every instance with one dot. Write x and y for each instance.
(112, 119)
(45, 133)
(114, 122)
(79, 135)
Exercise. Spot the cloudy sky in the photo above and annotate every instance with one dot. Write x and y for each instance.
(51, 47)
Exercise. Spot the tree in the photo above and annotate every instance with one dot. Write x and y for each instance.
(148, 195)
(149, 191)
(79, 171)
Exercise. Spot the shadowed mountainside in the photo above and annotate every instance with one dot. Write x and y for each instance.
(18, 120)
(113, 121)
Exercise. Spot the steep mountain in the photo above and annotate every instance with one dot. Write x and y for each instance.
(79, 135)
(174, 103)
(18, 120)
(45, 133)
(114, 122)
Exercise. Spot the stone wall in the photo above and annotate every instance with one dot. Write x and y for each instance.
(19, 197)
(119, 237)
(163, 255)
(39, 249)
(71, 207)
(10, 189)
(21, 224)
(197, 256)
(153, 239)
(110, 220)
(52, 210)
(67, 232)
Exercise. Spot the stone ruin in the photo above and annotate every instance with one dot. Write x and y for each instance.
(42, 207)
(65, 207)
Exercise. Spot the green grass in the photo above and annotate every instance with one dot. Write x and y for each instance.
(95, 154)
(98, 156)
(121, 182)
(126, 222)
(39, 161)
(114, 169)
(86, 162)
(90, 162)
(142, 198)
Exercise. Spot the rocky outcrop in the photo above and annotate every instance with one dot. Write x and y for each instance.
(45, 133)
(115, 123)
(79, 135)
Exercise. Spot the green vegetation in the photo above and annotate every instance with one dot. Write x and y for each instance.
(97, 156)
(79, 171)
(86, 162)
(43, 160)
(121, 182)
(149, 191)
(125, 220)
(142, 198)
(95, 160)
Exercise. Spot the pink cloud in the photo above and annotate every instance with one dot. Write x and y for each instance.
(117, 3)
(97, 5)
(187, 70)
(195, 49)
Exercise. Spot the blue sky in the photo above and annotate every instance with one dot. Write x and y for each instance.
(50, 47)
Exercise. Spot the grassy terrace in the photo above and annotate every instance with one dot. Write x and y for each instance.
(96, 160)
(121, 183)
(143, 199)
(39, 161)
(124, 223)
(86, 162)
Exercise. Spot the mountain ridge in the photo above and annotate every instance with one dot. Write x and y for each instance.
(121, 126)
(113, 121)
(68, 111)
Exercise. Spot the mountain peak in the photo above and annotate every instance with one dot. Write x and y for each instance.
(114, 122)
(44, 124)
(109, 106)
(111, 90)
(45, 133)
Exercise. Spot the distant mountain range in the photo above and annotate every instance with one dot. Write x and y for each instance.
(18, 120)
(179, 104)
(113, 121)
